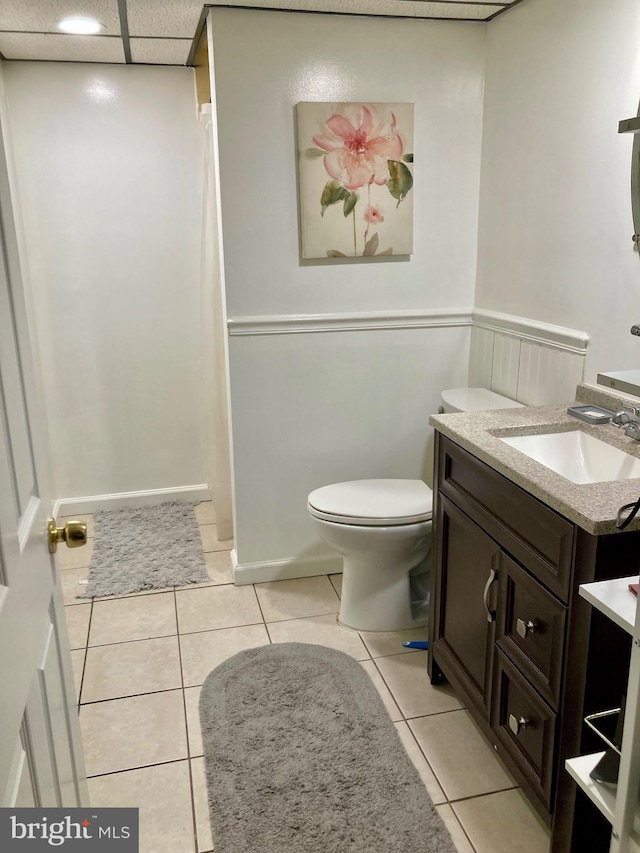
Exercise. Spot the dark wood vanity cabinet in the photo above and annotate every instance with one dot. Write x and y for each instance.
(527, 655)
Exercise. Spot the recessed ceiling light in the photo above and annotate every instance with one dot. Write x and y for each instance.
(80, 26)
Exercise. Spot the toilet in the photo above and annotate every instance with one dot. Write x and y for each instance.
(382, 531)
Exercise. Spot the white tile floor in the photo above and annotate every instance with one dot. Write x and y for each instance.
(139, 662)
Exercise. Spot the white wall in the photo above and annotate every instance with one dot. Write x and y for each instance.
(109, 171)
(315, 407)
(555, 213)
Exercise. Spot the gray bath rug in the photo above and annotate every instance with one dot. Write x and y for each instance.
(302, 757)
(148, 547)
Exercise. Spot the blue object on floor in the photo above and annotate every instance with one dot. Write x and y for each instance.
(416, 644)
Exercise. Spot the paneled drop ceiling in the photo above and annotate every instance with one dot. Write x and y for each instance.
(161, 32)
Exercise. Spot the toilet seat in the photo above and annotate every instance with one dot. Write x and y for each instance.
(373, 503)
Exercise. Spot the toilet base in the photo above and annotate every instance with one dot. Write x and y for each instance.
(378, 601)
(378, 565)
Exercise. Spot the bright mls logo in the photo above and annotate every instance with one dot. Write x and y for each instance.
(86, 830)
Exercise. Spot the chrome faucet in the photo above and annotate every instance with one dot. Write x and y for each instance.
(629, 418)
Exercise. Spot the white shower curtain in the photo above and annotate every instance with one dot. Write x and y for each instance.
(215, 393)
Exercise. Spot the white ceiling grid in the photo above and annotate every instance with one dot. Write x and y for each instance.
(160, 51)
(453, 9)
(162, 31)
(42, 16)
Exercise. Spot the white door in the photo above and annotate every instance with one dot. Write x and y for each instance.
(41, 760)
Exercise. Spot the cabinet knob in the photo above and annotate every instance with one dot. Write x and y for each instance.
(525, 628)
(516, 725)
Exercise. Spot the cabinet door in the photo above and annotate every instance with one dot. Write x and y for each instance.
(467, 570)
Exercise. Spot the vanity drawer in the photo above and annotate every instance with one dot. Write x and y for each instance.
(530, 628)
(537, 536)
(524, 726)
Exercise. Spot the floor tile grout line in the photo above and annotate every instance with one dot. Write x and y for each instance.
(186, 729)
(461, 825)
(136, 640)
(384, 680)
(296, 618)
(84, 663)
(434, 713)
(140, 593)
(259, 603)
(515, 787)
(359, 635)
(423, 753)
(138, 767)
(131, 696)
(129, 642)
(437, 778)
(264, 621)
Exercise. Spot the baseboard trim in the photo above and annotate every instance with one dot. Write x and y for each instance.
(90, 503)
(560, 337)
(278, 570)
(284, 324)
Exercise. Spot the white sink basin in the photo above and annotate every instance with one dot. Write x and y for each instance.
(578, 456)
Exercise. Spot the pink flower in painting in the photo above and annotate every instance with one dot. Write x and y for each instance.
(357, 151)
(372, 215)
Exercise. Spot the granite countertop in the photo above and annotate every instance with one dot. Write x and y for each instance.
(592, 506)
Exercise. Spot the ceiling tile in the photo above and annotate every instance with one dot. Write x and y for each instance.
(409, 8)
(168, 18)
(43, 15)
(160, 51)
(61, 48)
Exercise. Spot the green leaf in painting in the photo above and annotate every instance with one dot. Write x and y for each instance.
(350, 203)
(334, 253)
(370, 246)
(388, 251)
(332, 193)
(400, 180)
(313, 153)
(408, 158)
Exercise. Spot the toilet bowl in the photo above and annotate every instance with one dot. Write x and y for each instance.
(382, 530)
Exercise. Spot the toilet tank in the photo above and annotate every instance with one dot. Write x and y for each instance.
(475, 400)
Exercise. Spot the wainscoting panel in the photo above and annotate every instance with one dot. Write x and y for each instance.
(535, 363)
(324, 407)
(481, 357)
(506, 361)
(547, 375)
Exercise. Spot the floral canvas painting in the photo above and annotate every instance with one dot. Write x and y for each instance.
(356, 179)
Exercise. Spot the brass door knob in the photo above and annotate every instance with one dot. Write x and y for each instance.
(73, 534)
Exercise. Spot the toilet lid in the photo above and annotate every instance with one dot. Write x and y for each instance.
(373, 502)
(476, 400)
